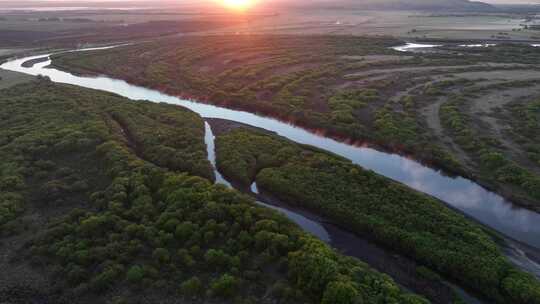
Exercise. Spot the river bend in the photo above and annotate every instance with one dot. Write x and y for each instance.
(462, 194)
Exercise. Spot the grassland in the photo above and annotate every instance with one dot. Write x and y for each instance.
(95, 208)
(9, 79)
(353, 88)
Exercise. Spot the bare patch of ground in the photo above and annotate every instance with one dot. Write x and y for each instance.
(442, 68)
(485, 108)
(496, 99)
(508, 75)
(377, 58)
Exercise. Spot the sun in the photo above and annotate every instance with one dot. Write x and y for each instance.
(238, 5)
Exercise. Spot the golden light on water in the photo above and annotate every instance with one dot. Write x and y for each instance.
(238, 5)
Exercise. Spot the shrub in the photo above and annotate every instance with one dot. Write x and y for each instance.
(341, 293)
(225, 286)
(192, 287)
(161, 255)
(135, 274)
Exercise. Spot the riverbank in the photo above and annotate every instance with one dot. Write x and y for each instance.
(404, 271)
(524, 256)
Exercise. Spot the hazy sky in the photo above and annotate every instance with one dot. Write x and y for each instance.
(195, 1)
(511, 1)
(185, 1)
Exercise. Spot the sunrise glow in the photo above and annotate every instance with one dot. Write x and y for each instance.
(238, 5)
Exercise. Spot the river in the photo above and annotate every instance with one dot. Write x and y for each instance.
(462, 194)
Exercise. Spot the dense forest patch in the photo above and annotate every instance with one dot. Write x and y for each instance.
(110, 201)
(368, 204)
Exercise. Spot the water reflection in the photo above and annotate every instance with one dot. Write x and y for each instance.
(465, 195)
(409, 46)
(478, 45)
(418, 47)
(209, 139)
(254, 188)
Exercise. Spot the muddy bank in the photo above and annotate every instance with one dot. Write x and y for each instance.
(32, 62)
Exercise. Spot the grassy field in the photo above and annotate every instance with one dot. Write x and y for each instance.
(8, 79)
(352, 88)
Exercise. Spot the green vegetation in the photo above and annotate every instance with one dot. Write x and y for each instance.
(108, 214)
(281, 76)
(50, 148)
(493, 162)
(351, 87)
(8, 79)
(275, 75)
(182, 235)
(526, 127)
(391, 214)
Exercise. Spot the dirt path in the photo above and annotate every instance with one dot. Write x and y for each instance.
(431, 113)
(442, 68)
(484, 108)
(502, 75)
(433, 120)
(486, 104)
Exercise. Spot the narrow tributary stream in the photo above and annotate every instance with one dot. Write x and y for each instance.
(402, 269)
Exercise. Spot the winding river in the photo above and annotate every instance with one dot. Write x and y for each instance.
(462, 194)
(470, 198)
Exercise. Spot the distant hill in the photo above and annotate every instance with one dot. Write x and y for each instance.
(458, 5)
(428, 5)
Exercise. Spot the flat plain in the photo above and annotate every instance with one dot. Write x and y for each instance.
(105, 199)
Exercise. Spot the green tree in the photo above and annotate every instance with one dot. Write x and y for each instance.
(161, 255)
(341, 293)
(192, 287)
(225, 286)
(135, 274)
